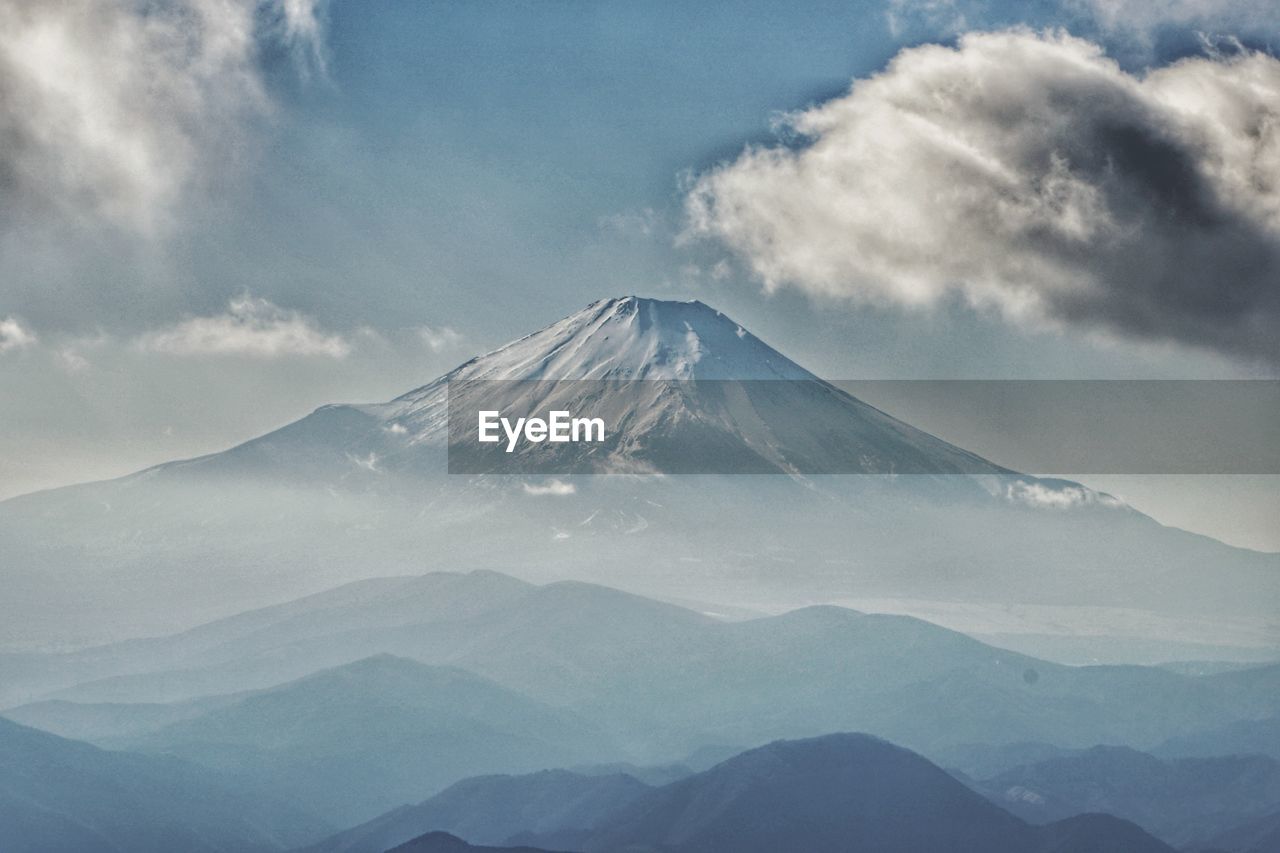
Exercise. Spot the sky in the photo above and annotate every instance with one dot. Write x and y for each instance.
(216, 215)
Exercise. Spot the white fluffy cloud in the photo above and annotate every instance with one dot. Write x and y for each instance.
(1029, 172)
(109, 109)
(14, 335)
(251, 326)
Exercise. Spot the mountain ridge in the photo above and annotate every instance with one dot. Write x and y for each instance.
(824, 794)
(666, 678)
(61, 794)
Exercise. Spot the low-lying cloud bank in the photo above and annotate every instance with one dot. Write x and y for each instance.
(1031, 173)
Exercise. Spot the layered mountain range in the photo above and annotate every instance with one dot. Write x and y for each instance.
(834, 793)
(285, 725)
(384, 691)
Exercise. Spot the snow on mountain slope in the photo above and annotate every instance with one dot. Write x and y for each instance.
(626, 338)
(659, 372)
(635, 338)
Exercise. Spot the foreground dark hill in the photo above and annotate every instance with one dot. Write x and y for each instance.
(666, 680)
(494, 809)
(443, 842)
(351, 491)
(833, 793)
(1186, 802)
(356, 740)
(836, 793)
(1096, 833)
(1256, 836)
(61, 795)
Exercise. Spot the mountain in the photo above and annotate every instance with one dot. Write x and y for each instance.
(1184, 802)
(493, 809)
(356, 740)
(1097, 833)
(443, 842)
(831, 793)
(984, 760)
(354, 491)
(62, 795)
(683, 389)
(835, 793)
(659, 678)
(1243, 737)
(1256, 836)
(106, 721)
(377, 607)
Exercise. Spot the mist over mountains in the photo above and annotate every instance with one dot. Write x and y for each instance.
(668, 678)
(833, 793)
(1185, 801)
(821, 794)
(360, 491)
(346, 704)
(65, 795)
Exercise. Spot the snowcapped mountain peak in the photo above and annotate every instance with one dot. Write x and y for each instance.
(620, 339)
(632, 337)
(801, 425)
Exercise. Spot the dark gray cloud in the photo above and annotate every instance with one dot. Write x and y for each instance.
(1031, 173)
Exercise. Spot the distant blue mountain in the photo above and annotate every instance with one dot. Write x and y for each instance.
(443, 842)
(62, 795)
(1261, 835)
(669, 679)
(1185, 802)
(493, 809)
(1242, 737)
(830, 794)
(358, 739)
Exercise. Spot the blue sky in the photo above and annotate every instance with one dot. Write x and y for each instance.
(362, 194)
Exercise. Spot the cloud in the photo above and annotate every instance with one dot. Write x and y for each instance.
(1127, 24)
(110, 110)
(1061, 496)
(72, 360)
(1030, 173)
(251, 326)
(368, 462)
(1145, 16)
(939, 17)
(438, 339)
(14, 335)
(554, 488)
